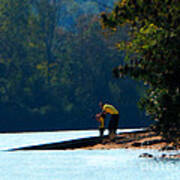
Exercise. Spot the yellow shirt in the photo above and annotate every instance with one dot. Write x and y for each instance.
(101, 119)
(110, 109)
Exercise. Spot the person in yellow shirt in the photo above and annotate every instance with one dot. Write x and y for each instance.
(113, 123)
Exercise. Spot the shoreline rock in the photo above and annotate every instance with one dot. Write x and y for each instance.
(146, 155)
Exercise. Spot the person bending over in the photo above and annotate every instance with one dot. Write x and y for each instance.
(114, 120)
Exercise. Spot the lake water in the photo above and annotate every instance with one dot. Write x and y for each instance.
(120, 164)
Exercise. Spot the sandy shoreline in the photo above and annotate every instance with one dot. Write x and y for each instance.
(136, 140)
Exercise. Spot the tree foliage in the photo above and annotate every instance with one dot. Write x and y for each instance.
(55, 67)
(153, 56)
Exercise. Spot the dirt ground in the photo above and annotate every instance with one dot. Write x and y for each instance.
(135, 140)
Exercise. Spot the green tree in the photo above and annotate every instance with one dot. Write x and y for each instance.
(153, 56)
(27, 56)
(14, 17)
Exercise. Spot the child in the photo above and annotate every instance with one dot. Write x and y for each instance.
(100, 118)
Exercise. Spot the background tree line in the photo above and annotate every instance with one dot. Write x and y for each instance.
(56, 65)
